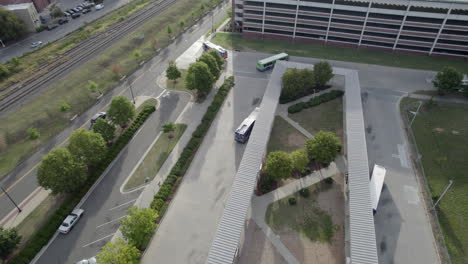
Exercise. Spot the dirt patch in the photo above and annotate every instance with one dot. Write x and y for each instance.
(257, 249)
(455, 132)
(307, 251)
(295, 139)
(438, 129)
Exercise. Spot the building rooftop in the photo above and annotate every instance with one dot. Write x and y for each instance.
(17, 6)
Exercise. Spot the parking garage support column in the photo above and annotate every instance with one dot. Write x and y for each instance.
(402, 24)
(295, 20)
(263, 19)
(440, 29)
(365, 23)
(329, 20)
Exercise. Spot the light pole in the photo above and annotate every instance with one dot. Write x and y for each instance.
(415, 113)
(3, 44)
(11, 199)
(442, 195)
(131, 91)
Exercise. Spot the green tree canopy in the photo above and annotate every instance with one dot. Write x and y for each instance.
(56, 11)
(299, 160)
(212, 64)
(199, 78)
(296, 83)
(169, 127)
(60, 172)
(121, 111)
(9, 240)
(12, 27)
(447, 80)
(4, 72)
(87, 146)
(215, 54)
(106, 130)
(323, 72)
(138, 226)
(323, 147)
(278, 165)
(172, 72)
(119, 252)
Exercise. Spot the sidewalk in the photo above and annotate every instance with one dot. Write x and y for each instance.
(438, 98)
(261, 203)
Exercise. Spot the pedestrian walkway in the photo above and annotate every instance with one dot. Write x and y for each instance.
(261, 203)
(438, 98)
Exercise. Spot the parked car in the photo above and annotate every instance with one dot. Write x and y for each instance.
(36, 44)
(71, 12)
(70, 221)
(76, 10)
(98, 115)
(66, 13)
(86, 10)
(75, 15)
(99, 7)
(88, 261)
(52, 26)
(62, 21)
(82, 5)
(79, 8)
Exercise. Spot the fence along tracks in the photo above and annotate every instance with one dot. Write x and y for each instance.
(82, 53)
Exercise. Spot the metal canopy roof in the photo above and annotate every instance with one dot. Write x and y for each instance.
(362, 232)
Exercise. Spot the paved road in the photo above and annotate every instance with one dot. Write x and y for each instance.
(21, 47)
(192, 219)
(22, 180)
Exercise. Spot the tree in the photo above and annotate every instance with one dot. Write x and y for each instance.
(12, 26)
(121, 111)
(296, 83)
(106, 130)
(119, 252)
(299, 160)
(137, 54)
(199, 78)
(278, 165)
(55, 11)
(447, 80)
(212, 64)
(13, 64)
(138, 226)
(93, 86)
(9, 240)
(169, 31)
(87, 146)
(215, 54)
(60, 172)
(323, 147)
(181, 24)
(169, 127)
(323, 72)
(4, 72)
(172, 72)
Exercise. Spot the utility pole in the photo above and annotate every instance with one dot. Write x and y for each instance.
(3, 44)
(11, 199)
(415, 113)
(131, 91)
(442, 195)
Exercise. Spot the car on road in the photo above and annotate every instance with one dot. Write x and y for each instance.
(99, 7)
(52, 26)
(36, 44)
(76, 15)
(70, 221)
(88, 261)
(86, 10)
(62, 21)
(97, 116)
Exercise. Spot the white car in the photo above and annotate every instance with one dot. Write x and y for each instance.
(88, 261)
(98, 7)
(70, 221)
(36, 44)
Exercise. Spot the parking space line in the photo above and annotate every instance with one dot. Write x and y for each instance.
(99, 240)
(120, 205)
(117, 219)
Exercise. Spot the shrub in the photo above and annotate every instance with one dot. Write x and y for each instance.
(329, 180)
(295, 108)
(64, 107)
(33, 133)
(292, 201)
(157, 204)
(314, 101)
(304, 192)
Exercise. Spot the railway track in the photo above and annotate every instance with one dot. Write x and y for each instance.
(82, 53)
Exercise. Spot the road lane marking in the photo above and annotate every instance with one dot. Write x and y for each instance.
(118, 206)
(98, 240)
(112, 221)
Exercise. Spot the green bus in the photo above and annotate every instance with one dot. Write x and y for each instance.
(268, 63)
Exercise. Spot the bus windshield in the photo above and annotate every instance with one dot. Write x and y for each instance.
(268, 63)
(242, 133)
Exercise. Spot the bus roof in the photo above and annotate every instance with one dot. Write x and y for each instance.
(248, 121)
(211, 45)
(376, 184)
(273, 58)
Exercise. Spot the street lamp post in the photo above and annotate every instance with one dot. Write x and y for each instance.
(11, 199)
(442, 195)
(131, 91)
(3, 44)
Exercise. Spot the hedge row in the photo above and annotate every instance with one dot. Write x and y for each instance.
(42, 237)
(162, 198)
(314, 101)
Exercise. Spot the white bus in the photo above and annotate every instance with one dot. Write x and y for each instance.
(376, 184)
(209, 45)
(242, 133)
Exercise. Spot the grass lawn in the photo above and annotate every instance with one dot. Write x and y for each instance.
(180, 83)
(285, 137)
(441, 135)
(155, 158)
(326, 116)
(43, 111)
(235, 41)
(305, 217)
(38, 217)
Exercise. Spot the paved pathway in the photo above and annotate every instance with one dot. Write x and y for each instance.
(439, 98)
(261, 203)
